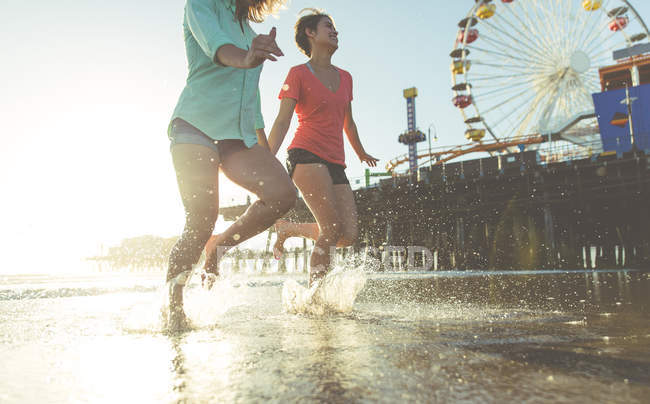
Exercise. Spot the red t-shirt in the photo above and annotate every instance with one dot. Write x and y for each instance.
(320, 111)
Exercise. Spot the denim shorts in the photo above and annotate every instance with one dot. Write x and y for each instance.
(302, 156)
(182, 132)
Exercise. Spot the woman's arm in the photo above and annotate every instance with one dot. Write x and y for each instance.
(261, 138)
(281, 124)
(202, 17)
(352, 133)
(262, 48)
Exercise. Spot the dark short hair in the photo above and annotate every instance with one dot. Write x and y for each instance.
(308, 21)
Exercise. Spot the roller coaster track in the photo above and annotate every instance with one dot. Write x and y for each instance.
(444, 155)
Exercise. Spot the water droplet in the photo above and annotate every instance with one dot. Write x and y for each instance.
(261, 183)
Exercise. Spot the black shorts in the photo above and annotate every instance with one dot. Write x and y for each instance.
(302, 156)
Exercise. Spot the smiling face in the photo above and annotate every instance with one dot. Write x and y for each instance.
(325, 35)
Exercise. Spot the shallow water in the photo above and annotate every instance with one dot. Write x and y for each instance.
(442, 337)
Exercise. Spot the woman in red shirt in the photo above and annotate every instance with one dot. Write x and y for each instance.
(320, 94)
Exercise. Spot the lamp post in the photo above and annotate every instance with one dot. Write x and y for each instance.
(628, 101)
(435, 133)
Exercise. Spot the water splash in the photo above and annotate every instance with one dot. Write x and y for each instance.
(335, 293)
(203, 308)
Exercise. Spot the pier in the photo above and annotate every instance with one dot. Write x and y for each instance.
(511, 212)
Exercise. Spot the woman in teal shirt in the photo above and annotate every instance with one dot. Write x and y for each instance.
(218, 125)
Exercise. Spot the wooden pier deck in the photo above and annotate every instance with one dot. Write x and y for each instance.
(510, 212)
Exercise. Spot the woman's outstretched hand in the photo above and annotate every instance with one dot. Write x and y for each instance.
(368, 159)
(262, 48)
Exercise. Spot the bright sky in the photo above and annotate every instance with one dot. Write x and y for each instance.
(88, 87)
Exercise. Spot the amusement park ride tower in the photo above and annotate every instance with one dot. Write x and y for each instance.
(412, 136)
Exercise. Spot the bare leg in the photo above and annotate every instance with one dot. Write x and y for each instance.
(197, 169)
(347, 208)
(317, 189)
(344, 199)
(259, 172)
(286, 229)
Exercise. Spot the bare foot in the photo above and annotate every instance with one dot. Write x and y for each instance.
(278, 247)
(208, 280)
(211, 245)
(210, 271)
(315, 276)
(176, 319)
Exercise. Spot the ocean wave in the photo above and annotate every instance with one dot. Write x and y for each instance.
(52, 293)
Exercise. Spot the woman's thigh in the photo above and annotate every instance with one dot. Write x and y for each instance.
(315, 185)
(256, 170)
(347, 208)
(197, 169)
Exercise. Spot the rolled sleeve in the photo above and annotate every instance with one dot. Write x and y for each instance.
(202, 19)
(259, 118)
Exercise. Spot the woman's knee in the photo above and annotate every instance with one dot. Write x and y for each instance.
(331, 233)
(349, 235)
(200, 224)
(281, 198)
(348, 240)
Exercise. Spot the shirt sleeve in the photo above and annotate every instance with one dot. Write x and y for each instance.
(351, 87)
(291, 87)
(203, 22)
(259, 118)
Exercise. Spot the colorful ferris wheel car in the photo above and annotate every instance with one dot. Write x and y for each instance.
(462, 101)
(592, 5)
(475, 135)
(472, 35)
(618, 23)
(486, 11)
(460, 66)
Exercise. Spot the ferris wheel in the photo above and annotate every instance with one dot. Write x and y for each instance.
(528, 66)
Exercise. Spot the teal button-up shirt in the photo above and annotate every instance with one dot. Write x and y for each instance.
(221, 101)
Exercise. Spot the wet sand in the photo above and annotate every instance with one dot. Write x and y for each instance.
(444, 337)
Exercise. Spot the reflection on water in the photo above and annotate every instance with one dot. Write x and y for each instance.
(580, 336)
